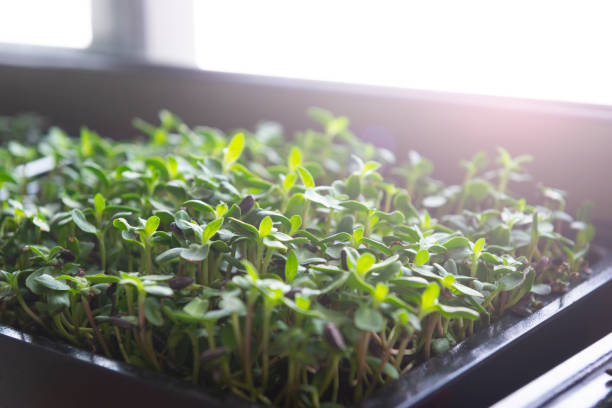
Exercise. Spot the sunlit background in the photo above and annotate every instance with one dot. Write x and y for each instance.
(55, 23)
(553, 50)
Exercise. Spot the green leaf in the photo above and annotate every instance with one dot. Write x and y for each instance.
(275, 244)
(511, 281)
(295, 158)
(306, 177)
(195, 253)
(430, 296)
(50, 282)
(289, 181)
(369, 319)
(121, 224)
(478, 189)
(353, 186)
(302, 302)
(99, 203)
(197, 307)
(296, 223)
(211, 229)
(244, 228)
(380, 292)
(454, 312)
(388, 369)
(234, 150)
(478, 246)
(456, 242)
(251, 270)
(151, 224)
(157, 290)
(291, 267)
(421, 257)
(357, 235)
(200, 206)
(541, 289)
(169, 255)
(265, 227)
(369, 167)
(364, 263)
(153, 312)
(79, 219)
(102, 278)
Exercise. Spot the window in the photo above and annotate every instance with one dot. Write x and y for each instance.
(57, 23)
(547, 49)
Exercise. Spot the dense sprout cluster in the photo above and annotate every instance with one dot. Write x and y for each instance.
(303, 273)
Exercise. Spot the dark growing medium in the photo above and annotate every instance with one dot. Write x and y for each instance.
(303, 273)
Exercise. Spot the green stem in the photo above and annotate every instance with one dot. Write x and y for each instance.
(102, 244)
(120, 343)
(267, 259)
(92, 322)
(265, 342)
(332, 372)
(196, 357)
(25, 307)
(428, 333)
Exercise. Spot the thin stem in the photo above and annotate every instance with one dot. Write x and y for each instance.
(120, 343)
(92, 322)
(428, 333)
(195, 343)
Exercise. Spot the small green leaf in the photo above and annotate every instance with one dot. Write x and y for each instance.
(289, 181)
(369, 167)
(265, 227)
(302, 302)
(153, 312)
(357, 235)
(291, 267)
(251, 270)
(200, 206)
(453, 312)
(388, 369)
(478, 246)
(306, 177)
(380, 292)
(511, 281)
(50, 282)
(99, 203)
(211, 229)
(364, 263)
(169, 255)
(295, 158)
(195, 253)
(221, 209)
(430, 296)
(157, 290)
(79, 219)
(353, 186)
(421, 257)
(197, 307)
(151, 224)
(541, 289)
(296, 223)
(369, 319)
(121, 224)
(234, 150)
(448, 281)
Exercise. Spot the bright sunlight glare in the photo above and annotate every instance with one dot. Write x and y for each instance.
(54, 23)
(546, 49)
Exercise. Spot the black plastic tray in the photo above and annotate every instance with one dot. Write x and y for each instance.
(38, 372)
